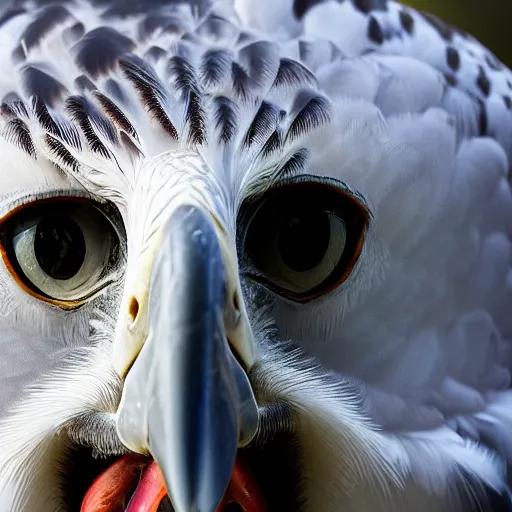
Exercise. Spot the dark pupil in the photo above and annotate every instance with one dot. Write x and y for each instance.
(303, 238)
(59, 246)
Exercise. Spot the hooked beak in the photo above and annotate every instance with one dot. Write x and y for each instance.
(186, 399)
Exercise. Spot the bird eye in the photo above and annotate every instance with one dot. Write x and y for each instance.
(305, 237)
(61, 250)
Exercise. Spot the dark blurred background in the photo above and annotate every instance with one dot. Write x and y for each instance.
(488, 20)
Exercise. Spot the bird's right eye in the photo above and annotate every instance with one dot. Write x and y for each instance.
(61, 250)
(305, 236)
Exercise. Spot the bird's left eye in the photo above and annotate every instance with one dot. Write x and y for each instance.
(304, 237)
(60, 250)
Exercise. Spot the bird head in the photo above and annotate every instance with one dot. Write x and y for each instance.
(172, 269)
(211, 254)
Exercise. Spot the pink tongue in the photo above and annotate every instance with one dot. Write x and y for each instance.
(112, 490)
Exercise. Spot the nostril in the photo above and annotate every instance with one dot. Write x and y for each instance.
(236, 302)
(133, 309)
(232, 313)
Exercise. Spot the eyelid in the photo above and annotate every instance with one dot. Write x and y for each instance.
(254, 203)
(312, 179)
(22, 201)
(338, 186)
(16, 202)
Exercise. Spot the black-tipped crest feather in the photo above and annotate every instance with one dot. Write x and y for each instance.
(225, 118)
(150, 89)
(79, 109)
(184, 79)
(293, 74)
(313, 112)
(18, 133)
(215, 67)
(264, 123)
(115, 114)
(60, 153)
(295, 164)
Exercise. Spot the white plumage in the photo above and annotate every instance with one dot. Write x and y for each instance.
(398, 379)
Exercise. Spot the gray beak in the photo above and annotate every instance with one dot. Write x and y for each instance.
(186, 397)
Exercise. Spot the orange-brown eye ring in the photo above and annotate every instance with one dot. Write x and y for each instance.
(305, 236)
(61, 250)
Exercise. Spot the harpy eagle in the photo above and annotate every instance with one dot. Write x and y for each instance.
(261, 246)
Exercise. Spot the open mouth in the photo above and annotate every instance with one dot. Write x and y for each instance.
(263, 480)
(135, 483)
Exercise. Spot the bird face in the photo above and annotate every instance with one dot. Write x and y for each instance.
(151, 329)
(178, 281)
(187, 287)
